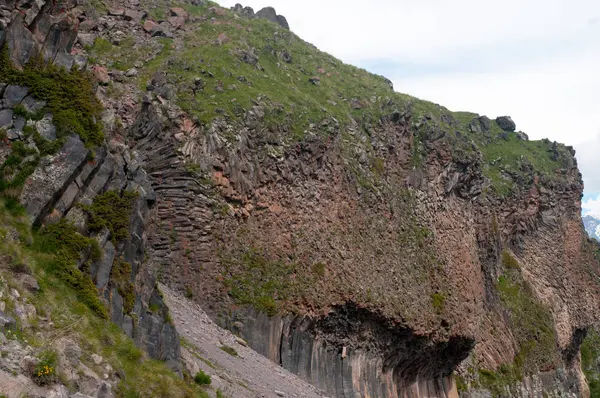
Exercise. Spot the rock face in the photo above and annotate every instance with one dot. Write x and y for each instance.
(380, 251)
(72, 176)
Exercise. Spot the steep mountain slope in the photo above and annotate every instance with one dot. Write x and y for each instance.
(368, 241)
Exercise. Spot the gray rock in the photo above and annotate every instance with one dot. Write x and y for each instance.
(19, 124)
(86, 39)
(67, 199)
(281, 20)
(480, 125)
(79, 62)
(268, 13)
(46, 128)
(7, 323)
(13, 134)
(506, 123)
(29, 283)
(522, 136)
(64, 60)
(6, 118)
(32, 105)
(13, 95)
(131, 72)
(116, 307)
(21, 41)
(101, 270)
(52, 176)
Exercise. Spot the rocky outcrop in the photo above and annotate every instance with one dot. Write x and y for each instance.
(268, 13)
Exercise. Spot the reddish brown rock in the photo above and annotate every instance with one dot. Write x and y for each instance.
(101, 74)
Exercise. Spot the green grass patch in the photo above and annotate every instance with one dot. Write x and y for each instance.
(590, 354)
(438, 300)
(230, 350)
(258, 281)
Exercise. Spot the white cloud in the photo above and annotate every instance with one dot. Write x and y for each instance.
(535, 60)
(591, 206)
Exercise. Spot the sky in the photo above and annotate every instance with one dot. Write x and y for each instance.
(535, 60)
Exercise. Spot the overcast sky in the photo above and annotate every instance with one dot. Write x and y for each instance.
(535, 60)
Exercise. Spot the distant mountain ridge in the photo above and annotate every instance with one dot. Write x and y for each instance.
(592, 225)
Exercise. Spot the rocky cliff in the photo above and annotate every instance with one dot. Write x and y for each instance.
(370, 242)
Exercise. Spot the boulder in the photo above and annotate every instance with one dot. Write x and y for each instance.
(270, 14)
(480, 125)
(179, 12)
(522, 136)
(6, 118)
(13, 95)
(506, 123)
(149, 26)
(86, 39)
(281, 20)
(101, 74)
(7, 323)
(132, 15)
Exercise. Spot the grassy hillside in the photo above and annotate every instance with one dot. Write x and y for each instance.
(225, 64)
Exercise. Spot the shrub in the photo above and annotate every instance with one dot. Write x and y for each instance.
(69, 96)
(45, 371)
(111, 210)
(202, 378)
(63, 240)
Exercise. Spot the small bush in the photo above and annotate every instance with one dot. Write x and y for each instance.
(202, 378)
(45, 372)
(189, 293)
(111, 210)
(230, 350)
(438, 301)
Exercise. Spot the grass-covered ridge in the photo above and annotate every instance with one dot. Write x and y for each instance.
(224, 65)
